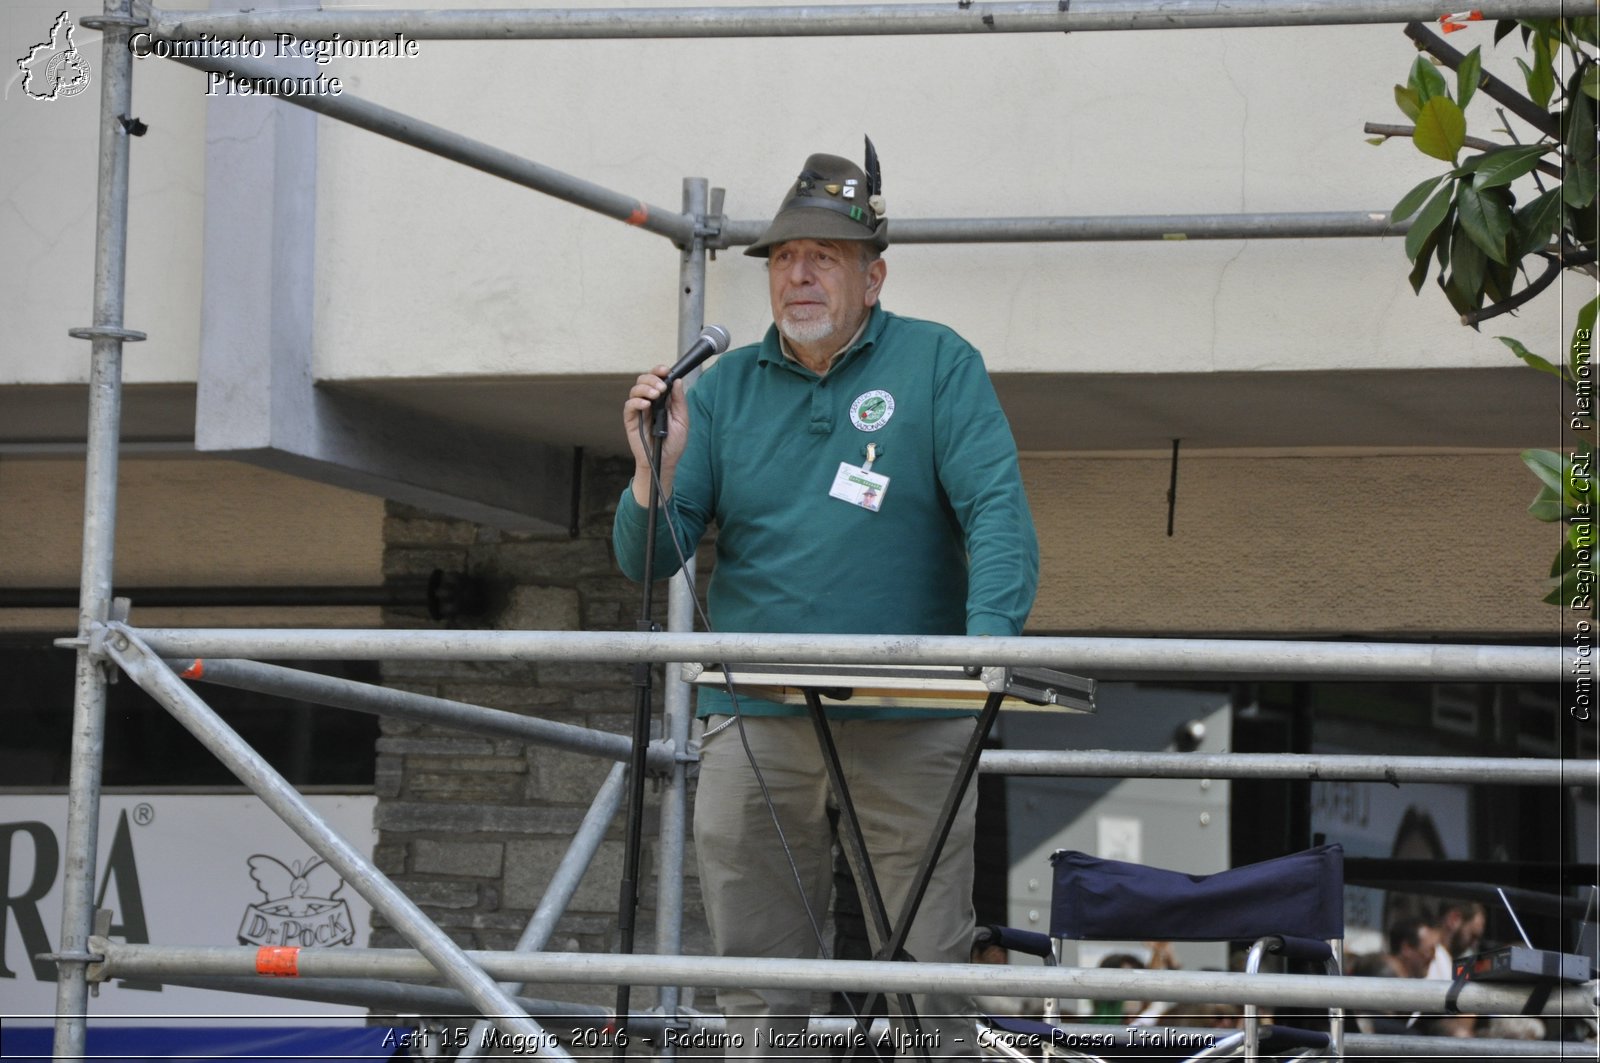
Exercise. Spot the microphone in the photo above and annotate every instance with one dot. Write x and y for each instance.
(713, 340)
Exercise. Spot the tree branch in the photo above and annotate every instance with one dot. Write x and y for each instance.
(1556, 265)
(1382, 130)
(1492, 86)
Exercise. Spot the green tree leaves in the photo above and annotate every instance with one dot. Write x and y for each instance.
(1541, 77)
(1426, 80)
(1413, 199)
(1544, 365)
(1468, 75)
(1425, 99)
(1537, 222)
(1478, 223)
(1427, 221)
(1569, 489)
(1441, 129)
(1479, 220)
(1501, 167)
(1567, 492)
(1485, 215)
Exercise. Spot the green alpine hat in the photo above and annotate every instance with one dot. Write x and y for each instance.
(832, 199)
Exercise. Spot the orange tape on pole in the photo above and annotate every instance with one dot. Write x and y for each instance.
(278, 961)
(640, 215)
(194, 671)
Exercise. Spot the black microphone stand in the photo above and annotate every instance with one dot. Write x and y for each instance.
(643, 687)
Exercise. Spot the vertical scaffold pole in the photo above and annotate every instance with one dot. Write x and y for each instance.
(99, 527)
(680, 617)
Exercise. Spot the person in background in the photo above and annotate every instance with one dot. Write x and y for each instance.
(1458, 929)
(1412, 943)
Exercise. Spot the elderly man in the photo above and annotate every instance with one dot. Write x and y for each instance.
(862, 479)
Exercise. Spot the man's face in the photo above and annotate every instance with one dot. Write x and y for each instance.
(821, 289)
(1415, 956)
(1468, 934)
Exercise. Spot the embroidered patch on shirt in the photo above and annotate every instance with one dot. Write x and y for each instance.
(872, 410)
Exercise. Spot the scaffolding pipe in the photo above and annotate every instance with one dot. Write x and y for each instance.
(1306, 225)
(1039, 16)
(1395, 1046)
(106, 336)
(419, 708)
(1113, 764)
(1103, 658)
(401, 594)
(1096, 983)
(400, 999)
(677, 714)
(668, 756)
(447, 144)
(396, 998)
(160, 682)
(563, 884)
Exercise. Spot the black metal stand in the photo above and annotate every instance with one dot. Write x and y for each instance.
(855, 846)
(643, 690)
(894, 938)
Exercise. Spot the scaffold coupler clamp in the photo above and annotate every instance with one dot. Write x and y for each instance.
(97, 642)
(93, 958)
(708, 226)
(663, 752)
(104, 22)
(106, 332)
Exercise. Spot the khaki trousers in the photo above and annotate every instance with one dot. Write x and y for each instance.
(899, 773)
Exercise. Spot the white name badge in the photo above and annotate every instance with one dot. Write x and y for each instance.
(859, 487)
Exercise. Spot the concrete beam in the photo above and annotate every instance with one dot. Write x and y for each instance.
(258, 399)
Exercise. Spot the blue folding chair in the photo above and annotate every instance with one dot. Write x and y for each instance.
(1292, 906)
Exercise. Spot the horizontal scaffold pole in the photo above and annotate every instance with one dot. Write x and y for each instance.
(1308, 225)
(448, 144)
(441, 712)
(844, 20)
(393, 998)
(1101, 658)
(1113, 764)
(405, 998)
(417, 708)
(1094, 983)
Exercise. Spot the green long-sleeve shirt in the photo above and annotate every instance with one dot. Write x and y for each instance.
(951, 550)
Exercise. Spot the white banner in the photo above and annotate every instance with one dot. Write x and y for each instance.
(200, 869)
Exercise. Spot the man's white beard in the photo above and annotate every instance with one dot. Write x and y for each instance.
(802, 331)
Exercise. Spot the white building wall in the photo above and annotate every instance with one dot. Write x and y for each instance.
(48, 159)
(426, 269)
